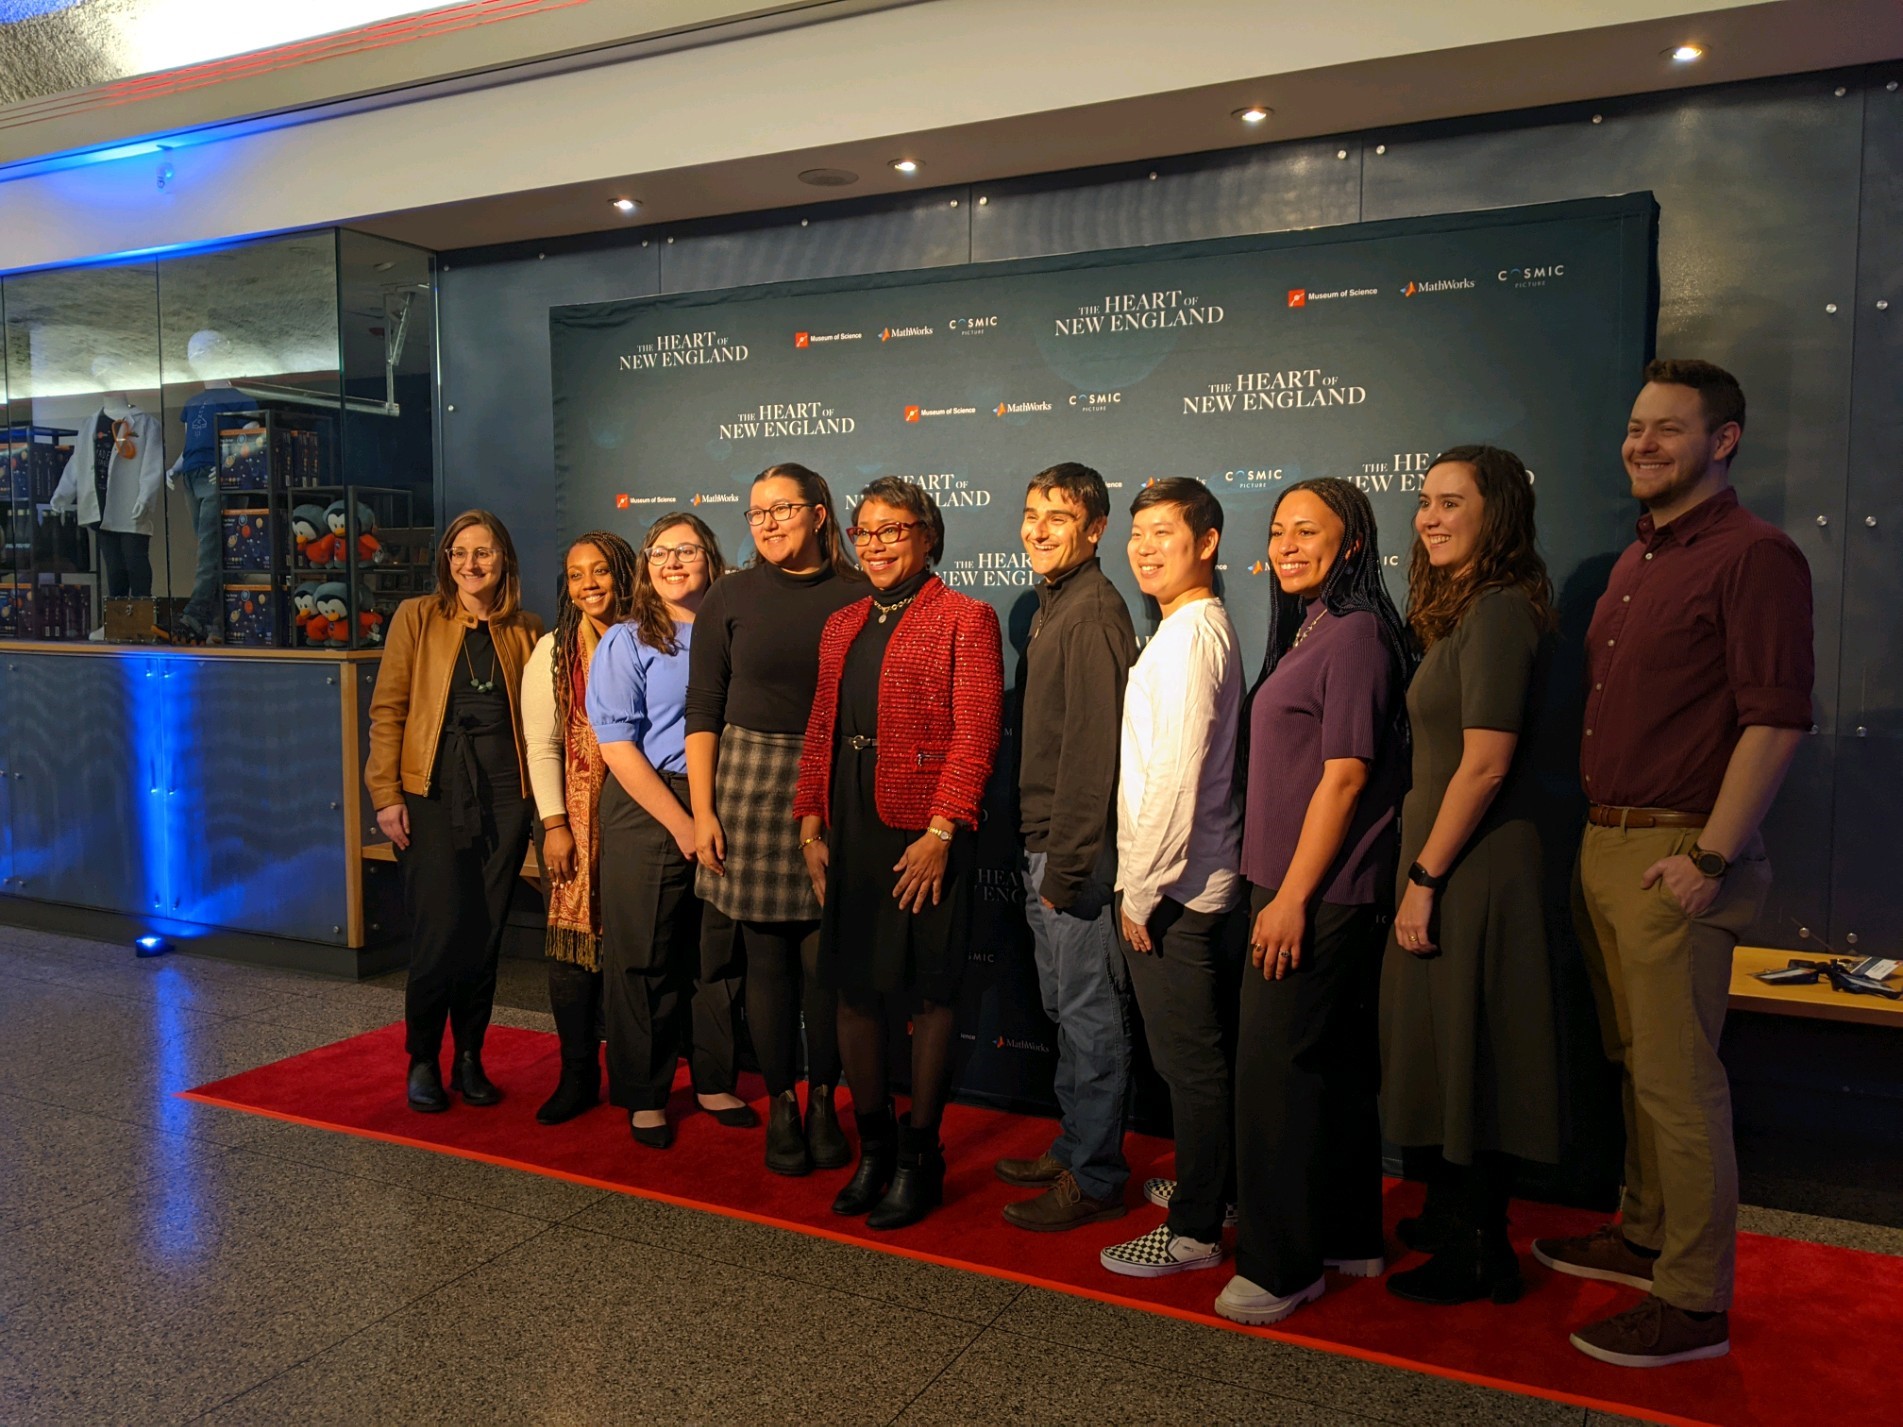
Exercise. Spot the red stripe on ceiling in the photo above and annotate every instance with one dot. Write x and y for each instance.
(382, 35)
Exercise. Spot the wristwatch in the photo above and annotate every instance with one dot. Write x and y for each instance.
(1420, 877)
(1712, 864)
(939, 833)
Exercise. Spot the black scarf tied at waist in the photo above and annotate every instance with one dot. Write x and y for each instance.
(464, 772)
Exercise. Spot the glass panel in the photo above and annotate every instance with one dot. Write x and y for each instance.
(84, 454)
(253, 385)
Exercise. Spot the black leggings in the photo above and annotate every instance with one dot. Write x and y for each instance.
(783, 992)
(126, 560)
(866, 1032)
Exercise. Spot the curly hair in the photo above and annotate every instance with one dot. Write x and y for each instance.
(915, 501)
(568, 615)
(653, 624)
(1506, 553)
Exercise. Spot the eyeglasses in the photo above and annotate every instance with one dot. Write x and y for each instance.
(462, 557)
(686, 554)
(779, 510)
(886, 534)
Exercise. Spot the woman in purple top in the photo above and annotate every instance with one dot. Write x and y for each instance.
(1326, 760)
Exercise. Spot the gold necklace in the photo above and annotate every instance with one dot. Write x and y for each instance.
(1302, 633)
(886, 609)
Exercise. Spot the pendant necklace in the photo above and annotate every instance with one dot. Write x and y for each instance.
(1303, 632)
(481, 686)
(894, 608)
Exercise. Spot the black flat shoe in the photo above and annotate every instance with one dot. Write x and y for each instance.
(739, 1117)
(785, 1138)
(576, 1092)
(467, 1080)
(425, 1087)
(655, 1137)
(825, 1141)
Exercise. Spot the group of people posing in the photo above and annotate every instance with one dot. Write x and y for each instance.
(759, 789)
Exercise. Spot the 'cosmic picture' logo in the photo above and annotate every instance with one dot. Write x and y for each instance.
(1291, 389)
(1153, 311)
(667, 350)
(1531, 276)
(776, 420)
(1095, 403)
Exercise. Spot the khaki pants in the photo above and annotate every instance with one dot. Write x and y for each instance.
(1662, 982)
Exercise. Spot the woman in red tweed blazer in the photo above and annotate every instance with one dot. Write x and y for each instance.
(899, 746)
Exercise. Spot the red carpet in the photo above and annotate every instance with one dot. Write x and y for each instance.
(1812, 1334)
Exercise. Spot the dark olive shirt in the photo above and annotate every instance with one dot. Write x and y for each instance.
(1704, 630)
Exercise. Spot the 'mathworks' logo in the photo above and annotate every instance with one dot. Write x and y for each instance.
(716, 498)
(1439, 284)
(1531, 276)
(1014, 1043)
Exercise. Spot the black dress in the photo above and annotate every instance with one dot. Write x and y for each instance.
(868, 945)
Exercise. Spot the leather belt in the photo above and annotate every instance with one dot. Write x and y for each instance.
(858, 742)
(1599, 815)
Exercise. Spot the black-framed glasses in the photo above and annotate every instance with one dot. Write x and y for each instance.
(686, 554)
(889, 534)
(780, 510)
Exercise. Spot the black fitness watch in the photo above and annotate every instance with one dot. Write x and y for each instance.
(1712, 864)
(1418, 875)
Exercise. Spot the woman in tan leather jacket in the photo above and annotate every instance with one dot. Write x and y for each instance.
(448, 777)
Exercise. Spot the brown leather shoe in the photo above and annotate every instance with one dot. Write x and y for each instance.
(1602, 1254)
(1653, 1334)
(1063, 1206)
(1036, 1172)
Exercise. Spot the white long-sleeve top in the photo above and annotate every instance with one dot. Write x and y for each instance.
(132, 482)
(541, 732)
(1179, 824)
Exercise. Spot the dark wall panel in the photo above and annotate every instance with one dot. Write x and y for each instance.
(916, 231)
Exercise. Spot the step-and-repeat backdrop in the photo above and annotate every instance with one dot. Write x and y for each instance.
(1247, 363)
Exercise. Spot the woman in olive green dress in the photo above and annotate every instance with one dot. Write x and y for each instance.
(1468, 1046)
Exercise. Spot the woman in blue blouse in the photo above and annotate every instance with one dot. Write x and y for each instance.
(650, 918)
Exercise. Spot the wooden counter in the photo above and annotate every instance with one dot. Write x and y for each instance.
(1819, 1002)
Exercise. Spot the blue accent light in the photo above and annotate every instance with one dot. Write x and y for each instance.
(152, 946)
(11, 10)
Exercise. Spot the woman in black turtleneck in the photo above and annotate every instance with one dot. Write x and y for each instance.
(750, 686)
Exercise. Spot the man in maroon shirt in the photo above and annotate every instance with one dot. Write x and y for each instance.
(1700, 660)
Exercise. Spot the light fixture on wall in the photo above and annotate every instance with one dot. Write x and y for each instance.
(623, 205)
(907, 166)
(1684, 54)
(1254, 114)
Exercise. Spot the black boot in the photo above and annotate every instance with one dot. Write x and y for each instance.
(468, 1081)
(918, 1184)
(785, 1140)
(1471, 1265)
(426, 1087)
(878, 1158)
(825, 1141)
(1439, 1219)
(578, 1090)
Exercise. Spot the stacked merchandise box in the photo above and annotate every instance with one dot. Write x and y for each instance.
(75, 609)
(247, 539)
(10, 611)
(45, 465)
(244, 458)
(250, 618)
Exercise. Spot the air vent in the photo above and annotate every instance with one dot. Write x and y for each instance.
(829, 177)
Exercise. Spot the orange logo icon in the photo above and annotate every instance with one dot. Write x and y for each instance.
(1298, 297)
(911, 413)
(884, 333)
(621, 501)
(1411, 290)
(802, 339)
(697, 497)
(1001, 408)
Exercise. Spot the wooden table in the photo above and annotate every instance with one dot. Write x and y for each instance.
(1819, 1002)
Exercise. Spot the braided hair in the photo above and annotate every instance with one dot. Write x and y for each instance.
(568, 616)
(1353, 583)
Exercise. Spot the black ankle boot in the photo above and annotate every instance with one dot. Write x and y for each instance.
(785, 1139)
(918, 1183)
(468, 1080)
(426, 1087)
(579, 1089)
(1439, 1220)
(1471, 1265)
(878, 1158)
(825, 1141)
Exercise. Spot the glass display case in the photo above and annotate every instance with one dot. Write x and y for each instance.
(181, 433)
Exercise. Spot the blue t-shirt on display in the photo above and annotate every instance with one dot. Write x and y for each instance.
(200, 415)
(638, 695)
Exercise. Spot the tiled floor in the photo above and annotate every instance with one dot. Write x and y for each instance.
(166, 1262)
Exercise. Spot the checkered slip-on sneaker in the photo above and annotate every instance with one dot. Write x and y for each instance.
(1159, 1253)
(1160, 1191)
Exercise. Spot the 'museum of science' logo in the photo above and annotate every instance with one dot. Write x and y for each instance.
(804, 340)
(1295, 389)
(1303, 296)
(1531, 276)
(972, 326)
(1096, 401)
(894, 334)
(922, 413)
(1439, 284)
(682, 349)
(949, 489)
(998, 569)
(1015, 408)
(624, 500)
(773, 420)
(716, 498)
(1140, 312)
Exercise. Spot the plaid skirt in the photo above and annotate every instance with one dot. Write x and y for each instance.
(766, 877)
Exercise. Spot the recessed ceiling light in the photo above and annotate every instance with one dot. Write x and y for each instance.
(623, 205)
(907, 165)
(1685, 54)
(1254, 114)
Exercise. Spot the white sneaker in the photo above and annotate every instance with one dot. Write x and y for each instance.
(1160, 1191)
(1245, 1302)
(1358, 1268)
(1159, 1253)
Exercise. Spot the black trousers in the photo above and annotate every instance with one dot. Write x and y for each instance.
(1186, 990)
(652, 983)
(458, 900)
(126, 560)
(780, 964)
(1308, 1130)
